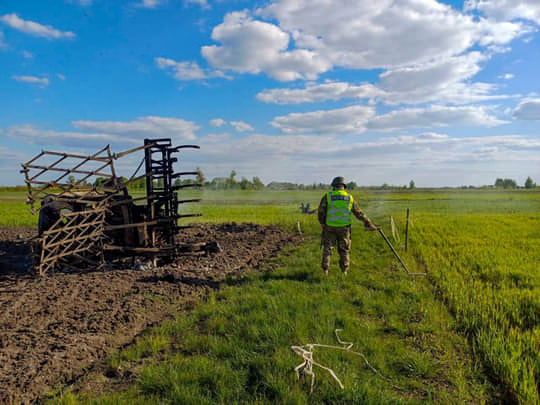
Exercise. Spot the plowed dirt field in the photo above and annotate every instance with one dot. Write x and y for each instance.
(54, 329)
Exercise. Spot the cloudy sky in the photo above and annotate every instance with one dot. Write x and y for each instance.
(442, 92)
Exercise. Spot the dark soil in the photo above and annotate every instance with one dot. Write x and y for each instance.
(54, 329)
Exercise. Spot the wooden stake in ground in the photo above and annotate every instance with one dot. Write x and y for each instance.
(407, 231)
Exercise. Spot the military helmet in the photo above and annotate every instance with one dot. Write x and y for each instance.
(338, 180)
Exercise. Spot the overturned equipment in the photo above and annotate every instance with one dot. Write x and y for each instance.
(86, 225)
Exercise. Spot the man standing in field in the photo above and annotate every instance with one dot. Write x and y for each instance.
(335, 218)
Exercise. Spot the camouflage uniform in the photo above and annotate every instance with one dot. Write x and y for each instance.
(341, 235)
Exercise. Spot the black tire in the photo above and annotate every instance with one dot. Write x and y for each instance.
(50, 213)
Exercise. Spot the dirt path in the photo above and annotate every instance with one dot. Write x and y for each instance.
(52, 329)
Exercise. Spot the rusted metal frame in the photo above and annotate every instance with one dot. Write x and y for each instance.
(80, 200)
(45, 168)
(127, 152)
(83, 188)
(77, 184)
(151, 197)
(59, 169)
(34, 158)
(69, 240)
(125, 226)
(176, 148)
(70, 253)
(109, 154)
(85, 159)
(54, 250)
(191, 200)
(87, 260)
(121, 202)
(163, 250)
(94, 157)
(72, 155)
(150, 211)
(189, 215)
(176, 175)
(146, 223)
(58, 227)
(142, 176)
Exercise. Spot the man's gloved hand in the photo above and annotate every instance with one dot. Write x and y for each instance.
(371, 227)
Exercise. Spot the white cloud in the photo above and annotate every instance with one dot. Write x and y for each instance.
(2, 40)
(176, 128)
(150, 3)
(40, 81)
(360, 34)
(431, 159)
(434, 116)
(306, 38)
(186, 70)
(340, 121)
(506, 10)
(241, 126)
(202, 3)
(99, 133)
(61, 76)
(528, 109)
(506, 76)
(27, 54)
(315, 92)
(34, 28)
(251, 46)
(217, 122)
(31, 134)
(444, 81)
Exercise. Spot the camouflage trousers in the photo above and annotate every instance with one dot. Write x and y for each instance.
(340, 236)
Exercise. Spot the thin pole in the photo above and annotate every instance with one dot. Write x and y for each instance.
(407, 231)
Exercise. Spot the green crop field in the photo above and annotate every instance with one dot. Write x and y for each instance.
(469, 332)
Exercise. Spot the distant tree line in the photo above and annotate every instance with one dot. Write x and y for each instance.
(511, 183)
(231, 183)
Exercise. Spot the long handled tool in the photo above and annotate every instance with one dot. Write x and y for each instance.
(396, 254)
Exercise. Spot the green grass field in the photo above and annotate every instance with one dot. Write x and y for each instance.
(469, 332)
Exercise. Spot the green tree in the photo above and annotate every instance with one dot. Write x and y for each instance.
(232, 181)
(257, 183)
(200, 176)
(412, 185)
(499, 182)
(529, 183)
(245, 184)
(509, 183)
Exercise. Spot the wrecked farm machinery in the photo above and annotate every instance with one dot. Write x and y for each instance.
(84, 225)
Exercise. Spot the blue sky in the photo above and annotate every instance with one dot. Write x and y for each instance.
(442, 92)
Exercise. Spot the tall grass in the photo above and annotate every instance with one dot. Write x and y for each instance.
(488, 271)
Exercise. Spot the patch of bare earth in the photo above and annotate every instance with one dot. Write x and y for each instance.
(53, 329)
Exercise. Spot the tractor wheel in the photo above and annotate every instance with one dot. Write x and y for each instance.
(50, 212)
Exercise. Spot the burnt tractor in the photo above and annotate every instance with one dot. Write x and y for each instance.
(88, 219)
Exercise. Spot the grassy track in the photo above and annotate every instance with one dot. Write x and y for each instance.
(480, 250)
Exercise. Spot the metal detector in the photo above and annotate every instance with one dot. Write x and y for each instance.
(396, 254)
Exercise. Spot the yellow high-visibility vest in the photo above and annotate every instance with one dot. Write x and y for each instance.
(338, 210)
